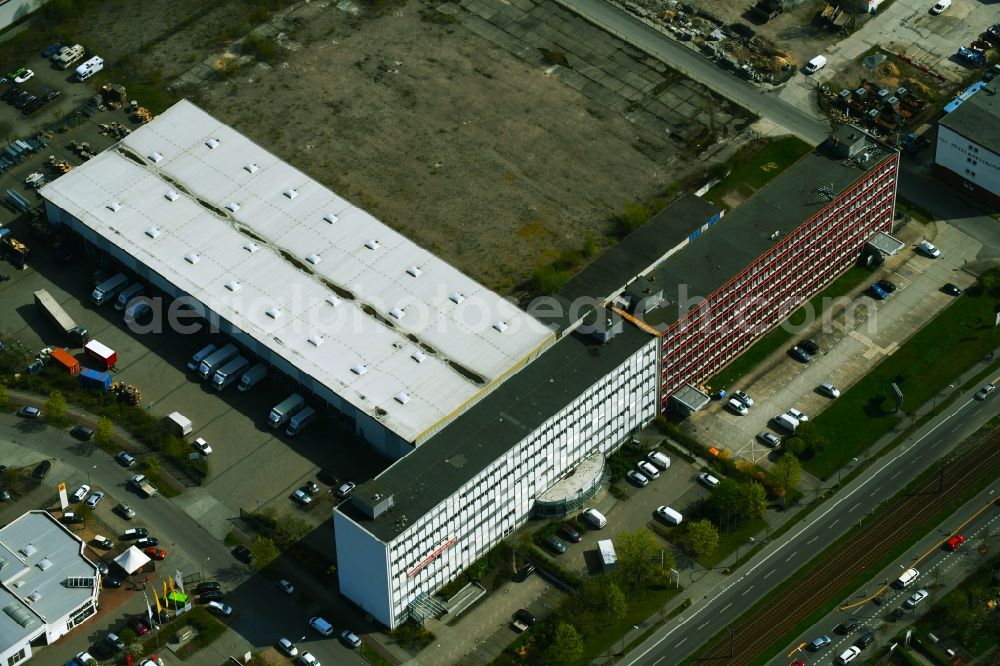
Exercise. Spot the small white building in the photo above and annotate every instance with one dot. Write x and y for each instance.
(47, 585)
(968, 145)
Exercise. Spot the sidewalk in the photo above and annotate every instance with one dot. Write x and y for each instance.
(705, 584)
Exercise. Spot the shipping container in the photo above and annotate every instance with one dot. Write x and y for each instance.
(66, 360)
(94, 380)
(101, 353)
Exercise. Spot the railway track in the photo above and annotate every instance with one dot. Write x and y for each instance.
(836, 568)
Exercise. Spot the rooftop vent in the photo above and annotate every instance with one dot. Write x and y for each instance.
(372, 244)
(314, 259)
(456, 298)
(251, 168)
(212, 143)
(316, 340)
(251, 247)
(113, 206)
(330, 217)
(152, 232)
(233, 206)
(291, 193)
(397, 313)
(35, 596)
(402, 397)
(155, 157)
(233, 285)
(273, 312)
(192, 258)
(414, 271)
(171, 195)
(333, 300)
(500, 326)
(418, 356)
(44, 563)
(28, 550)
(359, 369)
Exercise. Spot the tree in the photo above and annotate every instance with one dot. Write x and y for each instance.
(567, 646)
(151, 465)
(725, 502)
(104, 433)
(794, 445)
(615, 603)
(55, 408)
(638, 556)
(813, 441)
(753, 499)
(789, 471)
(264, 552)
(704, 537)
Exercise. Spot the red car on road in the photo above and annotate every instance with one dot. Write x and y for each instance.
(154, 553)
(954, 542)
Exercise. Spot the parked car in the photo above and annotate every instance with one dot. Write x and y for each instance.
(877, 291)
(94, 498)
(865, 639)
(70, 518)
(287, 647)
(147, 542)
(928, 249)
(887, 286)
(301, 497)
(311, 487)
(210, 595)
(819, 643)
(524, 617)
(743, 397)
(570, 533)
(103, 542)
(809, 347)
(202, 446)
(111, 581)
(81, 493)
(41, 470)
(829, 390)
(768, 438)
(29, 412)
(207, 586)
(350, 638)
(219, 608)
(952, 289)
(736, 407)
(125, 511)
(24, 76)
(848, 655)
(125, 459)
(82, 433)
(346, 488)
(800, 354)
(523, 573)
(49, 50)
(637, 478)
(797, 415)
(940, 6)
(243, 554)
(816, 64)
(154, 553)
(117, 643)
(846, 627)
(286, 586)
(307, 659)
(135, 533)
(916, 598)
(554, 544)
(708, 480)
(139, 625)
(985, 392)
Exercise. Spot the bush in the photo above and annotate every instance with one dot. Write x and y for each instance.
(411, 636)
(547, 279)
(261, 48)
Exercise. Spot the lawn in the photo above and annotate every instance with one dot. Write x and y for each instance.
(781, 335)
(642, 606)
(750, 172)
(961, 335)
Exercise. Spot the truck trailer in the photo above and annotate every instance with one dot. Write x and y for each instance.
(65, 360)
(282, 412)
(252, 377)
(94, 380)
(216, 360)
(58, 316)
(229, 373)
(101, 353)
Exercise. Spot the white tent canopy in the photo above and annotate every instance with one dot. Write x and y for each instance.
(132, 560)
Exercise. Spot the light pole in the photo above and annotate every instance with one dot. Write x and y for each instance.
(88, 474)
(203, 567)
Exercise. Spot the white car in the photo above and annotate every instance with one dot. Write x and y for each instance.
(829, 390)
(308, 660)
(81, 493)
(708, 480)
(927, 248)
(637, 478)
(202, 446)
(916, 598)
(25, 75)
(743, 397)
(346, 488)
(940, 6)
(219, 608)
(849, 654)
(801, 417)
(96, 497)
(737, 407)
(287, 647)
(816, 64)
(286, 586)
(301, 497)
(985, 392)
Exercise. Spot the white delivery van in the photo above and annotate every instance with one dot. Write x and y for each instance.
(609, 558)
(670, 516)
(299, 422)
(816, 64)
(321, 625)
(180, 423)
(127, 295)
(786, 422)
(252, 376)
(595, 518)
(658, 459)
(199, 356)
(104, 291)
(89, 68)
(908, 577)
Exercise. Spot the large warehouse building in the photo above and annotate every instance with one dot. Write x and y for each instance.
(967, 154)
(496, 414)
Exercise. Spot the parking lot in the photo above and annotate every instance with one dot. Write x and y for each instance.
(849, 344)
(46, 80)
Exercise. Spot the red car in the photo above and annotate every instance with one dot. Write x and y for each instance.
(954, 542)
(798, 662)
(155, 553)
(139, 625)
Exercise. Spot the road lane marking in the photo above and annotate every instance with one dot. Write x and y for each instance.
(855, 506)
(833, 524)
(814, 538)
(747, 590)
(702, 626)
(680, 642)
(769, 573)
(725, 607)
(895, 474)
(789, 558)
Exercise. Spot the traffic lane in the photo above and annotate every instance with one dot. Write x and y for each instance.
(778, 559)
(700, 69)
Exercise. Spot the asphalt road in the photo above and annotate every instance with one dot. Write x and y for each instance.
(725, 604)
(757, 100)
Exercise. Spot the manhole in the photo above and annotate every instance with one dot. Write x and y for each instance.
(874, 60)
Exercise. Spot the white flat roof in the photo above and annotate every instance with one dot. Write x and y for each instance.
(320, 282)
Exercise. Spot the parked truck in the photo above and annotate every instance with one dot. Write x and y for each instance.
(179, 423)
(143, 485)
(77, 334)
(229, 373)
(93, 380)
(300, 421)
(252, 377)
(283, 411)
(13, 250)
(216, 360)
(104, 355)
(106, 290)
(65, 360)
(606, 549)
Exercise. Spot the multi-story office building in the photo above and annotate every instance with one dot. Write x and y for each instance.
(968, 145)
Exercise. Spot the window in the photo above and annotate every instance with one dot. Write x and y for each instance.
(16, 657)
